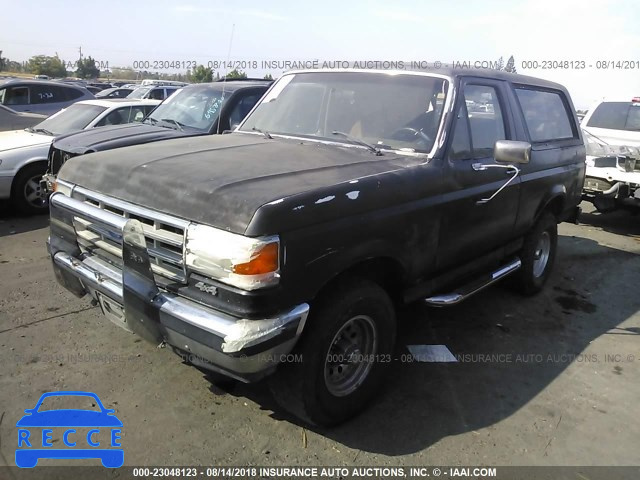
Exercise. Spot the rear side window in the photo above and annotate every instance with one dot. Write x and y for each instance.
(546, 115)
(616, 116)
(72, 93)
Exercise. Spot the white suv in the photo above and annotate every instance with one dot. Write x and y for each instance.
(612, 134)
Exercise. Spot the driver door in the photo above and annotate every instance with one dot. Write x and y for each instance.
(480, 217)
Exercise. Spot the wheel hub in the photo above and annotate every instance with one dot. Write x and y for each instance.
(541, 254)
(350, 356)
(33, 192)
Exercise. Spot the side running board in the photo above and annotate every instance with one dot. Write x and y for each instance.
(475, 286)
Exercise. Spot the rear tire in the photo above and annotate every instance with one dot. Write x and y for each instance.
(346, 348)
(27, 196)
(537, 255)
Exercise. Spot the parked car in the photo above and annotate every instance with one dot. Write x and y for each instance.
(114, 92)
(201, 109)
(23, 153)
(154, 92)
(12, 120)
(614, 122)
(342, 194)
(612, 135)
(40, 96)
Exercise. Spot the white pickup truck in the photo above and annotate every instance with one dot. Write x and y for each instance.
(612, 135)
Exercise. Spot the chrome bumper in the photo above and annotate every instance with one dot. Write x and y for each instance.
(241, 348)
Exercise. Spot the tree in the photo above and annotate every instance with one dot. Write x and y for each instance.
(235, 73)
(44, 65)
(3, 62)
(511, 65)
(13, 66)
(268, 77)
(87, 68)
(202, 74)
(500, 65)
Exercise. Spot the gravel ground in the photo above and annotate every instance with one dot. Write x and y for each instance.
(549, 380)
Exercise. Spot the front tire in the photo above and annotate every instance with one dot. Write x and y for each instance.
(345, 350)
(538, 255)
(27, 196)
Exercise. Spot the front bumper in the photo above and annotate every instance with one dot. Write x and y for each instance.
(240, 348)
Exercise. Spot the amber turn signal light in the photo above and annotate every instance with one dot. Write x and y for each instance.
(265, 261)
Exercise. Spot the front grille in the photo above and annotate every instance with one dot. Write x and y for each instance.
(165, 235)
(57, 158)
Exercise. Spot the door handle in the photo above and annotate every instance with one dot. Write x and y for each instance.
(510, 169)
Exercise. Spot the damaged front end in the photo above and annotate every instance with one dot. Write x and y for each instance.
(127, 258)
(612, 178)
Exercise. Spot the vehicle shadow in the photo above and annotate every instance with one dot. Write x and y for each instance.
(509, 349)
(622, 222)
(12, 222)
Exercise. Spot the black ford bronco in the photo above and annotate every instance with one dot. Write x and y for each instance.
(285, 246)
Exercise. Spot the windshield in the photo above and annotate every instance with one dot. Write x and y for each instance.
(139, 92)
(616, 116)
(384, 110)
(195, 107)
(71, 119)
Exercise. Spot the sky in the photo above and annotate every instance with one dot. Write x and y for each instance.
(123, 32)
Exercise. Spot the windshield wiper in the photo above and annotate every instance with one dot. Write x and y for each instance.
(154, 121)
(357, 141)
(171, 120)
(263, 132)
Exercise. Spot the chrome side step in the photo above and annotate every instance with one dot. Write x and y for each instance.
(466, 291)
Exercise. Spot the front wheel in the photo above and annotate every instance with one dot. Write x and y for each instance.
(345, 350)
(538, 255)
(27, 194)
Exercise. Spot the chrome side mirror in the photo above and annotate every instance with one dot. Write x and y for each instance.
(510, 151)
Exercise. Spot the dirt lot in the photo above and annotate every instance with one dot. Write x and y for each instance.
(550, 380)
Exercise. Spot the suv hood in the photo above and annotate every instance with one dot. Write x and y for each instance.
(106, 138)
(21, 138)
(221, 180)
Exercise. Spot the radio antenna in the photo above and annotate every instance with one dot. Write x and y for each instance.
(224, 80)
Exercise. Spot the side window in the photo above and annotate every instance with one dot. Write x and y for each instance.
(137, 114)
(486, 122)
(46, 94)
(16, 96)
(148, 109)
(242, 108)
(156, 94)
(546, 115)
(117, 117)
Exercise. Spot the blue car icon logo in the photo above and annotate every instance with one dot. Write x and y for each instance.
(85, 433)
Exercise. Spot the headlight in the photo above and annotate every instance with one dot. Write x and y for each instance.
(247, 263)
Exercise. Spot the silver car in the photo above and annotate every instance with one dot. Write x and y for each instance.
(40, 96)
(23, 153)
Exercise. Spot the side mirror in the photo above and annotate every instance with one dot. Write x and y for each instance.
(510, 151)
